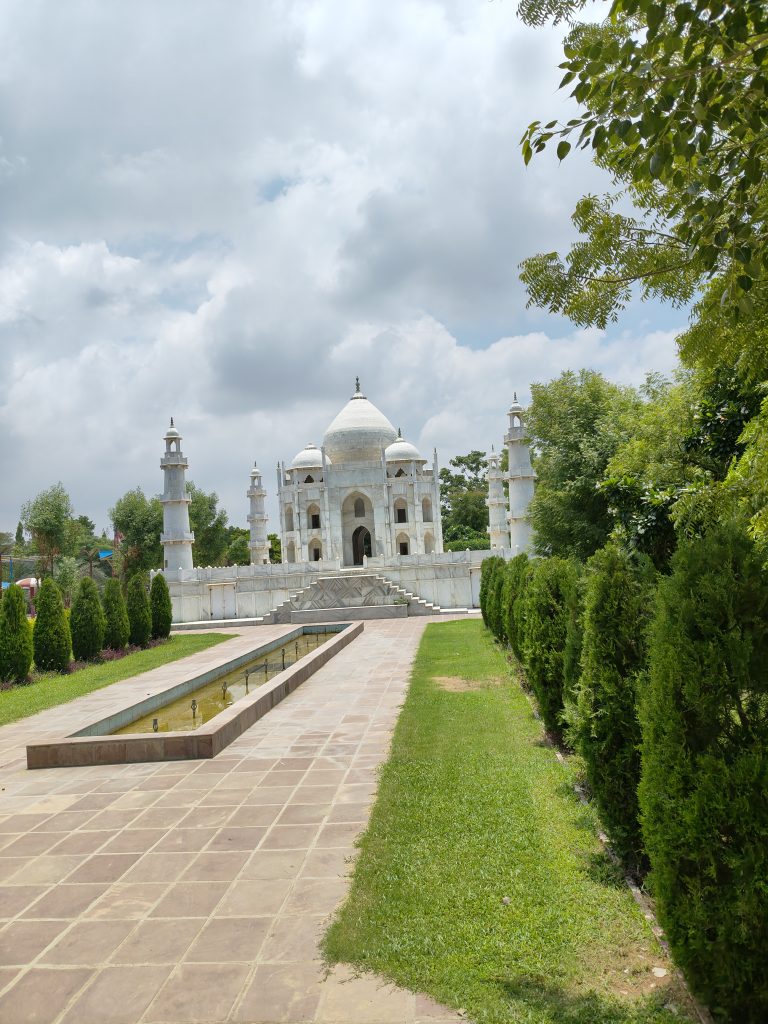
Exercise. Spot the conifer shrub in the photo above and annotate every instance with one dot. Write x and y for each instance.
(87, 622)
(574, 635)
(704, 785)
(617, 609)
(139, 612)
(116, 627)
(518, 615)
(517, 574)
(495, 588)
(549, 584)
(160, 604)
(15, 637)
(51, 638)
(487, 570)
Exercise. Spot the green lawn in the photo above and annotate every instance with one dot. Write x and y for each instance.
(52, 689)
(473, 809)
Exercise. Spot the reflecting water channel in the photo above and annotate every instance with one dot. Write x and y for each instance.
(199, 706)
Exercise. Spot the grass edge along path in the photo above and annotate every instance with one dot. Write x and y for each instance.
(480, 880)
(52, 690)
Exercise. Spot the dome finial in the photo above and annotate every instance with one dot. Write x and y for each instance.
(357, 385)
(399, 432)
(514, 394)
(171, 420)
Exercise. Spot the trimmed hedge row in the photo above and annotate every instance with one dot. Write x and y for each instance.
(662, 687)
(85, 632)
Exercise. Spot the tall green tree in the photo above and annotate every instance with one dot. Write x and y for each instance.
(116, 626)
(47, 519)
(463, 490)
(87, 622)
(575, 424)
(51, 637)
(7, 545)
(549, 587)
(140, 522)
(705, 769)
(161, 607)
(617, 606)
(674, 103)
(238, 549)
(15, 637)
(275, 548)
(139, 611)
(209, 525)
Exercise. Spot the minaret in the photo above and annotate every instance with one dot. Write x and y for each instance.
(497, 504)
(257, 519)
(176, 538)
(521, 481)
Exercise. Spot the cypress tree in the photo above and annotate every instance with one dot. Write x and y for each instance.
(493, 600)
(617, 608)
(139, 613)
(15, 637)
(704, 785)
(162, 609)
(51, 638)
(487, 570)
(87, 622)
(116, 627)
(517, 570)
(574, 636)
(545, 634)
(518, 613)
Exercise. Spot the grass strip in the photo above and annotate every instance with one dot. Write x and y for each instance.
(480, 880)
(52, 689)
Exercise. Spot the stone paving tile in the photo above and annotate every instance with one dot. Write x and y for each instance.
(118, 995)
(66, 901)
(126, 901)
(190, 899)
(16, 898)
(198, 993)
(158, 942)
(40, 996)
(197, 891)
(282, 993)
(22, 941)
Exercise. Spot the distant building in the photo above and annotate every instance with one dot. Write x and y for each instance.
(360, 530)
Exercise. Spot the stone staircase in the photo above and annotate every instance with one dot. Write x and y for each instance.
(354, 591)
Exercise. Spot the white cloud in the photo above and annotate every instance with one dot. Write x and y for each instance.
(225, 213)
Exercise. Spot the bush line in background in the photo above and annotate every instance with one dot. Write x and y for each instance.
(93, 626)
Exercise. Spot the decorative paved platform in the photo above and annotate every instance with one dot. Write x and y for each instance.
(196, 891)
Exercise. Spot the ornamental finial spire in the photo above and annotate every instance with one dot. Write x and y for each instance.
(357, 385)
(171, 420)
(515, 395)
(399, 432)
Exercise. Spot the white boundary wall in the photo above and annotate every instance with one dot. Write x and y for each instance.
(450, 580)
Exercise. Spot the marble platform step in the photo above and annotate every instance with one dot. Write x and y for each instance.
(352, 591)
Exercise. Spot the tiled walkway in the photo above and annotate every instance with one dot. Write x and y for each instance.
(196, 891)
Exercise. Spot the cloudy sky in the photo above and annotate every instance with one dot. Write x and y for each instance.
(225, 211)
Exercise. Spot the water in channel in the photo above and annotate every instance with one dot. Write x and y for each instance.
(213, 697)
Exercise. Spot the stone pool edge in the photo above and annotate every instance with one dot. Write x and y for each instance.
(205, 742)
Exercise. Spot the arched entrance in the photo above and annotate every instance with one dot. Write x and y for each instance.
(358, 531)
(361, 545)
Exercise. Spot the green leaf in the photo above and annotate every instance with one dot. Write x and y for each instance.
(563, 149)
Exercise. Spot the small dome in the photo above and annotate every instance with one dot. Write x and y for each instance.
(172, 432)
(359, 432)
(403, 451)
(308, 458)
(515, 408)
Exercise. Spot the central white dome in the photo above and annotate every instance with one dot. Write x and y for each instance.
(359, 432)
